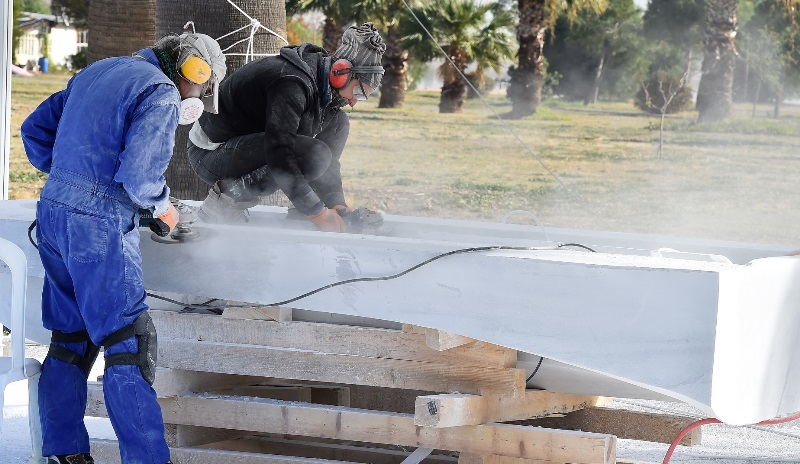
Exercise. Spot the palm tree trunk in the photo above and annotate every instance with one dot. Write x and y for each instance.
(393, 87)
(525, 89)
(715, 93)
(453, 87)
(215, 19)
(120, 27)
(331, 34)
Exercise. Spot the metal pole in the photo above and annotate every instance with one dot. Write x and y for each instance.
(7, 20)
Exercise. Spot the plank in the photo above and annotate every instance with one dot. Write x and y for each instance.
(470, 458)
(659, 428)
(327, 338)
(225, 358)
(173, 382)
(321, 450)
(251, 311)
(274, 416)
(317, 394)
(107, 452)
(452, 410)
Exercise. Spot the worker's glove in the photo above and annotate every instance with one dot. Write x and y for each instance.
(164, 224)
(328, 220)
(360, 219)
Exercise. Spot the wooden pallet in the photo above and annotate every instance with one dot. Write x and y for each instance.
(255, 387)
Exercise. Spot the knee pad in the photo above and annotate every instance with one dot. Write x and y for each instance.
(145, 358)
(85, 362)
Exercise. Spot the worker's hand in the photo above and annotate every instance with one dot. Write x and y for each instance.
(163, 224)
(328, 220)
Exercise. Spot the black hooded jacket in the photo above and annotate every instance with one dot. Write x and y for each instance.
(286, 97)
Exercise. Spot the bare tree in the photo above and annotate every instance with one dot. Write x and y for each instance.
(667, 95)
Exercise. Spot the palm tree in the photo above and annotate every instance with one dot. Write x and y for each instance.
(388, 15)
(535, 18)
(120, 27)
(715, 92)
(469, 32)
(338, 13)
(216, 19)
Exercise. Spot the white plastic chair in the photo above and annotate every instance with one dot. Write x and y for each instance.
(17, 366)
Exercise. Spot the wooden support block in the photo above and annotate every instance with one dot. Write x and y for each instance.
(243, 310)
(413, 329)
(226, 358)
(274, 416)
(450, 410)
(659, 428)
(442, 341)
(453, 410)
(327, 338)
(322, 450)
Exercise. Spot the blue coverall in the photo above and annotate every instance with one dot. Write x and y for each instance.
(106, 141)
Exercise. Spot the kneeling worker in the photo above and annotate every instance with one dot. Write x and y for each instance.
(280, 126)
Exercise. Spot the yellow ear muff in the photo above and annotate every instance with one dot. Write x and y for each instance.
(196, 70)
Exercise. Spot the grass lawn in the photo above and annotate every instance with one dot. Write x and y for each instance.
(732, 181)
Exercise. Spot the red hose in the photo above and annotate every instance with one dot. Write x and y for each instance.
(700, 422)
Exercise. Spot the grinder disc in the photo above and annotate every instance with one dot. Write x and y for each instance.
(179, 235)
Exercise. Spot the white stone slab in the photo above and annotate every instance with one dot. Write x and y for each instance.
(648, 322)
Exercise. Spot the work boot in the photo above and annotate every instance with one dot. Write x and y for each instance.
(79, 458)
(219, 208)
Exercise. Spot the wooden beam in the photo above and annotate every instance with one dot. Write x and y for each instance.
(327, 338)
(321, 450)
(452, 410)
(251, 311)
(659, 428)
(226, 358)
(317, 394)
(173, 382)
(274, 416)
(107, 452)
(469, 458)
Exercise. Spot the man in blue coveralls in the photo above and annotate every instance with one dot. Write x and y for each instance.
(106, 141)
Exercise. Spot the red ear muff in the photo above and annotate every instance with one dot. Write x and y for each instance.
(340, 74)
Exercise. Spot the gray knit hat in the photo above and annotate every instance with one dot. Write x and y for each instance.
(363, 46)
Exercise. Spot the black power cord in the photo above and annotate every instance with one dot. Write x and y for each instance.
(390, 277)
(217, 310)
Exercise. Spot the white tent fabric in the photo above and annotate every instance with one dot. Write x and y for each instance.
(7, 20)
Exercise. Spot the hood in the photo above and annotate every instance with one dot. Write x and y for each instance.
(312, 60)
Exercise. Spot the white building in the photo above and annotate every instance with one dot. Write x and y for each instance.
(63, 39)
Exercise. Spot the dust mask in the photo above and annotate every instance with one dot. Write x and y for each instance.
(191, 110)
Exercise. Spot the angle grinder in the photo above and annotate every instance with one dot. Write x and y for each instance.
(183, 231)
